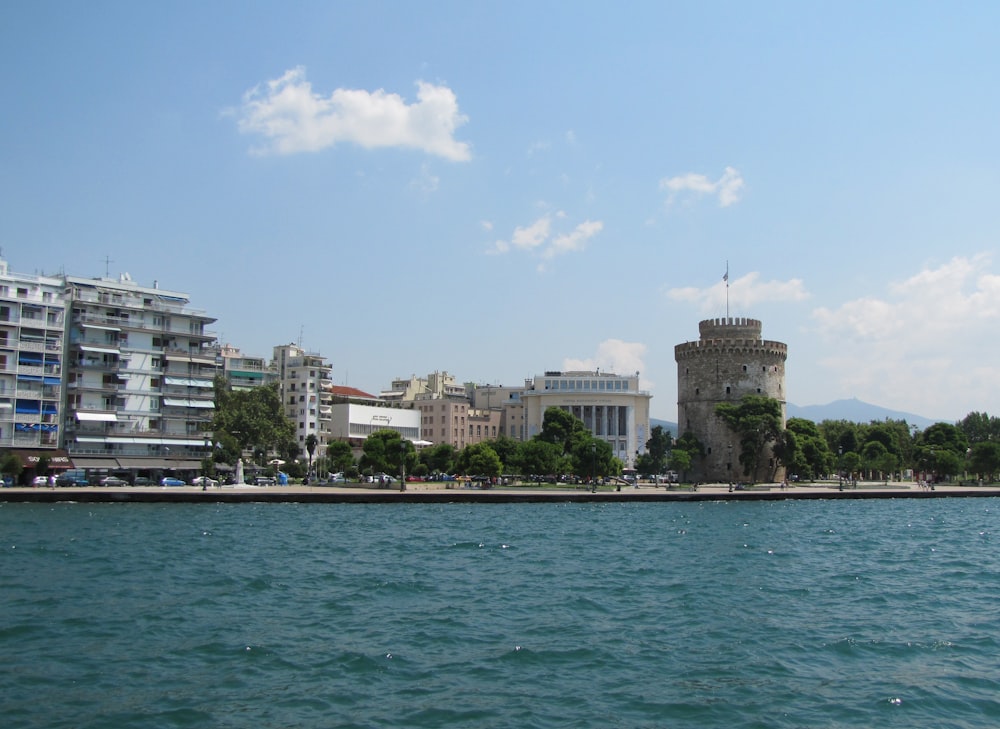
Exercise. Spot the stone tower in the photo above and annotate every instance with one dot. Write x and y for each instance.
(730, 360)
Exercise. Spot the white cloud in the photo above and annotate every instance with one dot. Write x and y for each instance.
(744, 293)
(574, 240)
(533, 235)
(727, 188)
(292, 118)
(613, 355)
(926, 345)
(538, 237)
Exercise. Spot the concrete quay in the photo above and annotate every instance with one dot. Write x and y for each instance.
(435, 493)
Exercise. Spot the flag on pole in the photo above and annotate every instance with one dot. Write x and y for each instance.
(726, 276)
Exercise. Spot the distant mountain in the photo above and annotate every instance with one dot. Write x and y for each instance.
(665, 424)
(855, 411)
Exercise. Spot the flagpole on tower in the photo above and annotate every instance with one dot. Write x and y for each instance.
(726, 279)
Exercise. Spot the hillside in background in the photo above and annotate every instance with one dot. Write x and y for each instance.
(852, 410)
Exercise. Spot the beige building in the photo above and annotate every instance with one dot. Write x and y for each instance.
(612, 407)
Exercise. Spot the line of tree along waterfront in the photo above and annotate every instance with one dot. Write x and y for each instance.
(250, 424)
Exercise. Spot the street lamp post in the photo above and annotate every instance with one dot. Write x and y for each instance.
(402, 465)
(593, 468)
(840, 467)
(729, 464)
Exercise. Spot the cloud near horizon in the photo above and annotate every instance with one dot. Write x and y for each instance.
(291, 118)
(614, 355)
(693, 185)
(744, 293)
(926, 338)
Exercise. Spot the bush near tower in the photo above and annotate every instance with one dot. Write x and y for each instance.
(756, 420)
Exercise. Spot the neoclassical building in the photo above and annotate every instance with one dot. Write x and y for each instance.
(612, 407)
(729, 360)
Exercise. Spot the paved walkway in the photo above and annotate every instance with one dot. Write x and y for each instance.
(453, 492)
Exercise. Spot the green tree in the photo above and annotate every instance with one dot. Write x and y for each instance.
(561, 428)
(439, 458)
(680, 461)
(841, 436)
(538, 458)
(253, 420)
(657, 449)
(812, 457)
(980, 427)
(479, 459)
(756, 420)
(11, 466)
(984, 460)
(506, 448)
(591, 457)
(311, 442)
(339, 456)
(382, 452)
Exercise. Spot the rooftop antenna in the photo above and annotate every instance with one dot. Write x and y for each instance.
(301, 328)
(107, 266)
(726, 279)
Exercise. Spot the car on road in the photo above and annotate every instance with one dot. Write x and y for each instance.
(171, 481)
(263, 481)
(204, 481)
(73, 477)
(113, 481)
(142, 481)
(40, 481)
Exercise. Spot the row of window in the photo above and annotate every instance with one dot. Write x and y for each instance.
(588, 385)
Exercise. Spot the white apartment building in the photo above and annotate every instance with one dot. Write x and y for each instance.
(242, 371)
(32, 324)
(138, 378)
(304, 381)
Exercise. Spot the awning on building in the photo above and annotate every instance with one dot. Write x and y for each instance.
(96, 462)
(183, 402)
(188, 382)
(196, 358)
(85, 325)
(143, 463)
(102, 417)
(100, 350)
(58, 458)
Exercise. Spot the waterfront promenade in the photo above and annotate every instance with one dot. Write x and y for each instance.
(441, 493)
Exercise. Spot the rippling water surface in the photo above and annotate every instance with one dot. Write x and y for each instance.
(773, 614)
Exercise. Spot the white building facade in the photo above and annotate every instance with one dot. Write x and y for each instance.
(139, 378)
(612, 407)
(32, 324)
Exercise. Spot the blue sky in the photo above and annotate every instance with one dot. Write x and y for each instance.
(500, 189)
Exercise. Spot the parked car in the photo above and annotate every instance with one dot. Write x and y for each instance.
(73, 477)
(263, 481)
(142, 481)
(113, 481)
(40, 481)
(171, 481)
(204, 481)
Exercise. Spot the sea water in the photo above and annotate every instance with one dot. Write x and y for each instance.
(714, 614)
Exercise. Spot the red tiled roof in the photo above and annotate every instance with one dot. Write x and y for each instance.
(344, 391)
